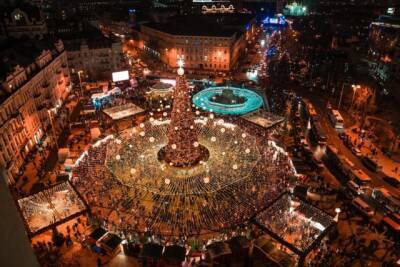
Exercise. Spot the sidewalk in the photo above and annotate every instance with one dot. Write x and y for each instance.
(389, 166)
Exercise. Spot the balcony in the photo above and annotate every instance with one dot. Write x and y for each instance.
(58, 71)
(46, 84)
(19, 129)
(41, 107)
(64, 65)
(15, 114)
(37, 95)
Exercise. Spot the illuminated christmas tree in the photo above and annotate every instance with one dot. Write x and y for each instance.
(183, 148)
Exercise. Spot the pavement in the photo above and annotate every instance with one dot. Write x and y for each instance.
(389, 166)
(320, 104)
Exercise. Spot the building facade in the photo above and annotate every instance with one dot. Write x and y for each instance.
(25, 20)
(202, 49)
(30, 96)
(96, 58)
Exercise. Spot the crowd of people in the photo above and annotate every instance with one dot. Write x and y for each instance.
(130, 208)
(50, 206)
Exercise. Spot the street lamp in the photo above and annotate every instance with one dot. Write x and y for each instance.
(337, 210)
(80, 81)
(355, 88)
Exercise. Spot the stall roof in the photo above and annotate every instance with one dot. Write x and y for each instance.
(123, 111)
(112, 241)
(175, 252)
(97, 233)
(50, 206)
(294, 223)
(152, 250)
(218, 249)
(263, 118)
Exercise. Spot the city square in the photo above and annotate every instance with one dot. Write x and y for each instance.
(200, 133)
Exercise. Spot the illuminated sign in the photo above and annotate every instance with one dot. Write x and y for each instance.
(391, 10)
(278, 20)
(120, 76)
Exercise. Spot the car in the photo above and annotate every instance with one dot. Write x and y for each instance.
(348, 144)
(356, 151)
(363, 207)
(342, 136)
(371, 164)
(392, 181)
(318, 162)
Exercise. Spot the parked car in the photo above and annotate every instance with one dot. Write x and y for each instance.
(371, 164)
(392, 181)
(363, 207)
(356, 151)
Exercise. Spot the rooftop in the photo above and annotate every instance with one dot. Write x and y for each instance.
(32, 11)
(295, 223)
(218, 25)
(90, 36)
(22, 52)
(51, 206)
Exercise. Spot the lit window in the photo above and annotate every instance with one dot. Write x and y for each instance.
(18, 16)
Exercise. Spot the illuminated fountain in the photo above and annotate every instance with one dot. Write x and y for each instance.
(228, 100)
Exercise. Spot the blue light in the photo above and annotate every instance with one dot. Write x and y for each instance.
(132, 10)
(253, 101)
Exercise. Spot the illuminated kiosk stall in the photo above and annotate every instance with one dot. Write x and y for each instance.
(264, 119)
(51, 207)
(205, 99)
(265, 122)
(121, 113)
(187, 175)
(296, 224)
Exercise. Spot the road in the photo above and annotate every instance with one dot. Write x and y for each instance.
(333, 139)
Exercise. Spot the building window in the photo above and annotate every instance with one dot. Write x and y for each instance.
(18, 16)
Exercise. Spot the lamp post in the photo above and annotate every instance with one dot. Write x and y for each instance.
(341, 95)
(337, 210)
(80, 81)
(355, 88)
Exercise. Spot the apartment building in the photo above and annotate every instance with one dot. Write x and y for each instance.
(35, 81)
(97, 57)
(23, 20)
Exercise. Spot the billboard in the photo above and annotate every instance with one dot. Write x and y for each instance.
(120, 76)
